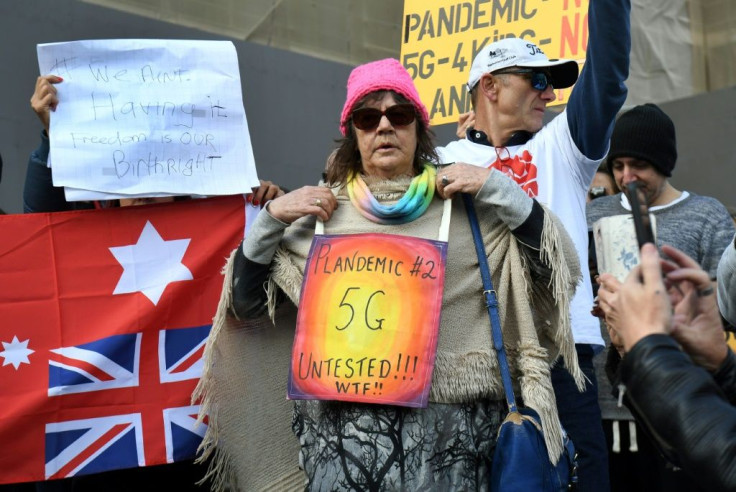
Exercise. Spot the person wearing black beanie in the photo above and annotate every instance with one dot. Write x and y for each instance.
(647, 133)
(643, 150)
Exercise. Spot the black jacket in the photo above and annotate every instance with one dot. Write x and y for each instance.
(39, 192)
(688, 412)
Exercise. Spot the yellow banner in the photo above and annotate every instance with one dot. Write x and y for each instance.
(440, 39)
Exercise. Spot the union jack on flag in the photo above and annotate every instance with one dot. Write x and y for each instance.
(93, 445)
(108, 363)
(105, 315)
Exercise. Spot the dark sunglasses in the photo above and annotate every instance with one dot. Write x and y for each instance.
(540, 80)
(367, 119)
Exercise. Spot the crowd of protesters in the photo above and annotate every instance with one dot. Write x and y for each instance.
(641, 360)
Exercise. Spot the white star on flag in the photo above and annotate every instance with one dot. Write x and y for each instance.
(151, 264)
(16, 352)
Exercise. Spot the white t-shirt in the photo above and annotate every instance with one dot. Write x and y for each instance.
(550, 168)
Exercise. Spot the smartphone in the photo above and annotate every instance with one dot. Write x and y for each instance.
(640, 213)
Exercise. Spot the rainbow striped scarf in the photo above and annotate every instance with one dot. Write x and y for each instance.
(412, 205)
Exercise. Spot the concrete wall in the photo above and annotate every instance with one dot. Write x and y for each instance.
(706, 144)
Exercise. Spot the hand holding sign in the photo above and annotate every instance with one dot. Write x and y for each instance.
(44, 99)
(308, 200)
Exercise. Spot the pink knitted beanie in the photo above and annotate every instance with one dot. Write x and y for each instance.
(387, 74)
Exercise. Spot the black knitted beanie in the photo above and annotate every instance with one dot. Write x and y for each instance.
(645, 132)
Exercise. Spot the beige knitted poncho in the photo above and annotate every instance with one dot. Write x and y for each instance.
(244, 384)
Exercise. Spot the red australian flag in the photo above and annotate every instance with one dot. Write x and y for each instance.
(103, 319)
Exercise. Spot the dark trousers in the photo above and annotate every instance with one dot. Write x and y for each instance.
(581, 417)
(181, 476)
(644, 470)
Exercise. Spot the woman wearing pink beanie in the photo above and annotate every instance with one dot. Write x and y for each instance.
(382, 186)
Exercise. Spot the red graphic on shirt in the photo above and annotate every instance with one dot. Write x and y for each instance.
(519, 168)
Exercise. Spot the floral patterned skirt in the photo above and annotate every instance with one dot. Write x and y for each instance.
(347, 446)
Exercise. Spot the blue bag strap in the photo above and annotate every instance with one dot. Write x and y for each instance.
(491, 303)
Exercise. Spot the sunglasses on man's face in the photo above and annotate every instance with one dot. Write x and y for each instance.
(367, 119)
(540, 80)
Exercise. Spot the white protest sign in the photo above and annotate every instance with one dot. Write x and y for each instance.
(148, 117)
(76, 195)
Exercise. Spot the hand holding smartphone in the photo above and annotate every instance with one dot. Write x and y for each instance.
(640, 214)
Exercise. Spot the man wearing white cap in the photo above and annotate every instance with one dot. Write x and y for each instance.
(511, 82)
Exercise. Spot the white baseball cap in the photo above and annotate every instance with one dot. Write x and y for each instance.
(517, 52)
